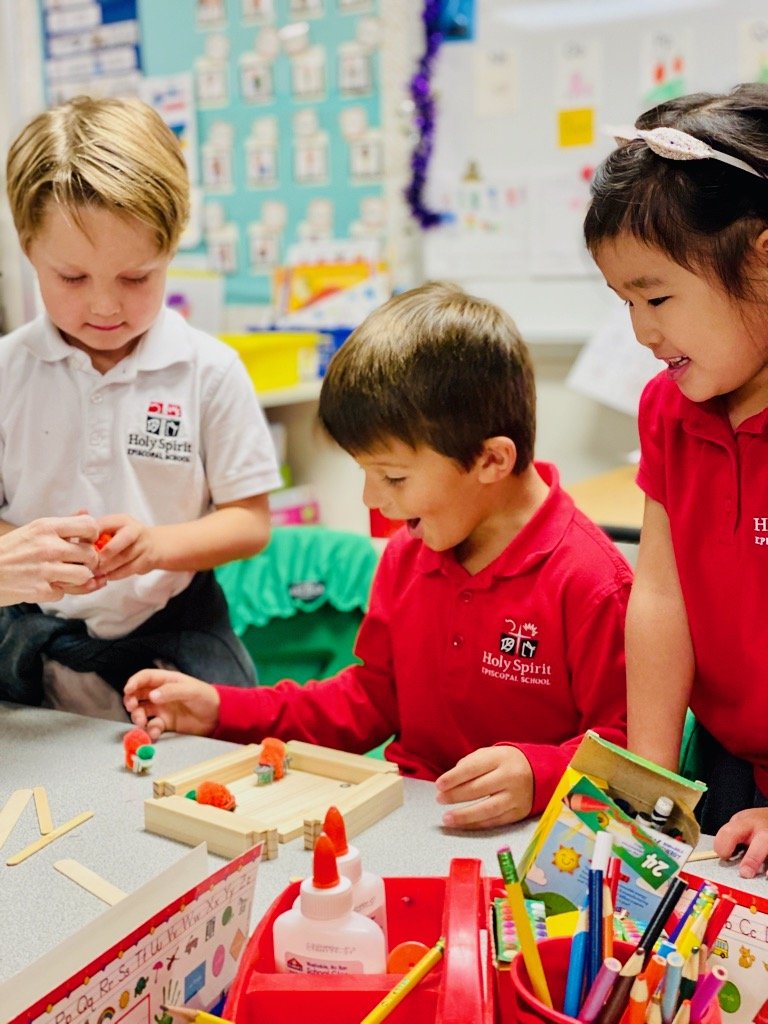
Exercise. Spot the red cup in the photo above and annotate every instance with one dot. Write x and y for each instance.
(525, 1008)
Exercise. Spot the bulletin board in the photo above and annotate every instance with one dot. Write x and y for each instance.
(521, 113)
(277, 103)
(288, 118)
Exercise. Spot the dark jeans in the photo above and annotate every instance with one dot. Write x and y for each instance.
(192, 632)
(731, 786)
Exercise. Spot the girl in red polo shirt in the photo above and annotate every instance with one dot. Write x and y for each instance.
(678, 225)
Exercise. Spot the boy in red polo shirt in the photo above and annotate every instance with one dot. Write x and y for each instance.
(494, 637)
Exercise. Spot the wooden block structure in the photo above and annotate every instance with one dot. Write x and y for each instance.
(363, 788)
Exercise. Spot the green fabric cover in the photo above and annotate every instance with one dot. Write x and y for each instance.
(301, 569)
(298, 605)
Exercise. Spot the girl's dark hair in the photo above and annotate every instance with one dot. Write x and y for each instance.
(436, 367)
(704, 214)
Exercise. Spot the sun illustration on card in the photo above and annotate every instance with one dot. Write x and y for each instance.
(566, 859)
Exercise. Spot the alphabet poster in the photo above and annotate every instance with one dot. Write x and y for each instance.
(145, 952)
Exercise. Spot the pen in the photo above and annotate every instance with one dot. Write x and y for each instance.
(194, 1016)
(525, 937)
(408, 981)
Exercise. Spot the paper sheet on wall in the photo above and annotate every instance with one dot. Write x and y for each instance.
(612, 367)
(145, 951)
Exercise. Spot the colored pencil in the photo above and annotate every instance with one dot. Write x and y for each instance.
(638, 1001)
(720, 914)
(706, 992)
(607, 921)
(574, 982)
(616, 1003)
(689, 977)
(655, 926)
(689, 911)
(601, 986)
(408, 982)
(654, 972)
(614, 877)
(653, 1012)
(523, 928)
(672, 976)
(683, 1014)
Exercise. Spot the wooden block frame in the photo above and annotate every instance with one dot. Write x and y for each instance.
(363, 788)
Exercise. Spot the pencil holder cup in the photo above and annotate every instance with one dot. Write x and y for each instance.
(525, 1008)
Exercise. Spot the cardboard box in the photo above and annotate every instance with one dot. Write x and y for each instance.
(556, 863)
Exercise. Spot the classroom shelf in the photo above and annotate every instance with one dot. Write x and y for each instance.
(293, 395)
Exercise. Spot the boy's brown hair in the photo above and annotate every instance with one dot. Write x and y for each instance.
(111, 154)
(436, 367)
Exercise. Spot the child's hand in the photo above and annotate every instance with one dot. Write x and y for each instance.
(131, 549)
(159, 700)
(500, 778)
(48, 558)
(749, 827)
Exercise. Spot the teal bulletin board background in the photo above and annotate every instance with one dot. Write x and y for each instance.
(171, 43)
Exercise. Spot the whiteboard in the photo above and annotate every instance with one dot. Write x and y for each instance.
(520, 120)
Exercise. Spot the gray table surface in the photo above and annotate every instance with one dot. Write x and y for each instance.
(79, 761)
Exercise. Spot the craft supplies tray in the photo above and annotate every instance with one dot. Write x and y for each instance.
(457, 991)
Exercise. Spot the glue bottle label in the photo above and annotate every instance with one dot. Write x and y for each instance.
(296, 963)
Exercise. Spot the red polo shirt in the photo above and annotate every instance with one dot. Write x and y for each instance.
(713, 482)
(530, 652)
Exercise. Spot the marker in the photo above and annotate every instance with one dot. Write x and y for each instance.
(661, 811)
(194, 1016)
(408, 981)
(528, 946)
(598, 866)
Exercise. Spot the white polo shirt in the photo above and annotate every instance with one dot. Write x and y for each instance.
(166, 435)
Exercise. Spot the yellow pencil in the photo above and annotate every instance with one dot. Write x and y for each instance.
(194, 1016)
(407, 982)
(523, 928)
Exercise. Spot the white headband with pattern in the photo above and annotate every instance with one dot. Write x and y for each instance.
(676, 145)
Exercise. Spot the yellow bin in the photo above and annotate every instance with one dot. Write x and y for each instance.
(277, 359)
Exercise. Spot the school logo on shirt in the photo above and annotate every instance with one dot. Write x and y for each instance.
(519, 640)
(163, 419)
(761, 529)
(514, 660)
(160, 437)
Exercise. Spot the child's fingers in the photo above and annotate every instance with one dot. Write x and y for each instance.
(486, 813)
(464, 771)
(738, 830)
(754, 859)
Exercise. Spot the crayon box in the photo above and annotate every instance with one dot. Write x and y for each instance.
(608, 788)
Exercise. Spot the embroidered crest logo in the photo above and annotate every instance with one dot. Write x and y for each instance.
(519, 640)
(163, 419)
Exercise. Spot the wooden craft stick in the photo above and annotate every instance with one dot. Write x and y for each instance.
(90, 881)
(44, 820)
(11, 812)
(703, 855)
(40, 843)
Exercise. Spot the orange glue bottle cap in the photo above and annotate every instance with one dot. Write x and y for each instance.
(335, 829)
(326, 894)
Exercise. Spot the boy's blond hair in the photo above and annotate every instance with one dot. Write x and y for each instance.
(436, 367)
(112, 154)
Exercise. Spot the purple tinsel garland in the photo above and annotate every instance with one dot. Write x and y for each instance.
(424, 116)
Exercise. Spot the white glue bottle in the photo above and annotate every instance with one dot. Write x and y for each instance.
(369, 895)
(321, 933)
